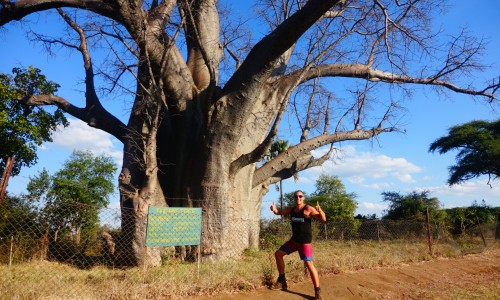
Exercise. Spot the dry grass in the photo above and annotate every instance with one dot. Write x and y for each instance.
(51, 280)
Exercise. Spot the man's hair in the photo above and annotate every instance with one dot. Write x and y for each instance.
(299, 191)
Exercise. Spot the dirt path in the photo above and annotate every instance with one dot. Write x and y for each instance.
(470, 277)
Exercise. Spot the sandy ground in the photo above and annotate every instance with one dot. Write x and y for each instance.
(475, 276)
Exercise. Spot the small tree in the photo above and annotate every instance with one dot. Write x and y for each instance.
(483, 212)
(19, 221)
(24, 127)
(333, 198)
(338, 205)
(73, 196)
(459, 219)
(412, 206)
(331, 194)
(478, 143)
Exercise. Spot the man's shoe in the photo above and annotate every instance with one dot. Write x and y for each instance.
(317, 294)
(280, 284)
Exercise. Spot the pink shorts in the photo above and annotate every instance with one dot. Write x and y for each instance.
(305, 250)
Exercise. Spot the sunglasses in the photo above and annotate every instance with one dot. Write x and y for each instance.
(298, 196)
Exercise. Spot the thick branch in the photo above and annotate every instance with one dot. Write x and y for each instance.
(257, 153)
(107, 122)
(365, 72)
(304, 162)
(286, 159)
(16, 10)
(262, 59)
(202, 37)
(95, 114)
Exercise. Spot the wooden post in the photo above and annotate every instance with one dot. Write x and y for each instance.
(378, 230)
(497, 232)
(11, 250)
(429, 238)
(198, 266)
(481, 230)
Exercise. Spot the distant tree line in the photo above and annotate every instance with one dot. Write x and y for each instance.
(339, 204)
(58, 218)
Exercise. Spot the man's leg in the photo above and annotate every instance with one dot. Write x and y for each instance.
(314, 278)
(314, 273)
(280, 283)
(280, 262)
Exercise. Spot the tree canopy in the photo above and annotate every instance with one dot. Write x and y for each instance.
(84, 178)
(24, 127)
(412, 206)
(460, 219)
(334, 199)
(332, 196)
(478, 146)
(73, 196)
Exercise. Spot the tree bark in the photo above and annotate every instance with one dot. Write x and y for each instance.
(5, 177)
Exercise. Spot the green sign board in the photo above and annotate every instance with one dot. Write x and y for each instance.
(173, 226)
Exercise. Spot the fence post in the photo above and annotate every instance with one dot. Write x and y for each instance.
(11, 250)
(497, 232)
(198, 262)
(429, 238)
(481, 230)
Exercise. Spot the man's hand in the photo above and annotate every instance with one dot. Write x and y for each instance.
(274, 209)
(321, 217)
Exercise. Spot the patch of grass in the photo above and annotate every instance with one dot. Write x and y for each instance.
(51, 280)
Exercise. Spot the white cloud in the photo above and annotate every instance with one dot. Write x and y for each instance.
(379, 185)
(79, 136)
(372, 206)
(301, 179)
(465, 193)
(361, 167)
(357, 179)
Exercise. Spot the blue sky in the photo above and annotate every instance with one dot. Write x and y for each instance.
(394, 162)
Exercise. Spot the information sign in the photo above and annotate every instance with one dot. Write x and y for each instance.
(173, 226)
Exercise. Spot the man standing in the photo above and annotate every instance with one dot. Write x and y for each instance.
(301, 215)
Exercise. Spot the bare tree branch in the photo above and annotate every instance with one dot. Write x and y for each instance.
(16, 10)
(261, 60)
(365, 72)
(286, 159)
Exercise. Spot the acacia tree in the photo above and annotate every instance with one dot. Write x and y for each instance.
(478, 145)
(199, 124)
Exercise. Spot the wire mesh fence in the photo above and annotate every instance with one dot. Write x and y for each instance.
(78, 252)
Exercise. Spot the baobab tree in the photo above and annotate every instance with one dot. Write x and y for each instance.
(208, 100)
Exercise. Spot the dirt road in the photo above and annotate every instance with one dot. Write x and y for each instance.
(475, 276)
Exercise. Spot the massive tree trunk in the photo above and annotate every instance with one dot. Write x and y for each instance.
(191, 141)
